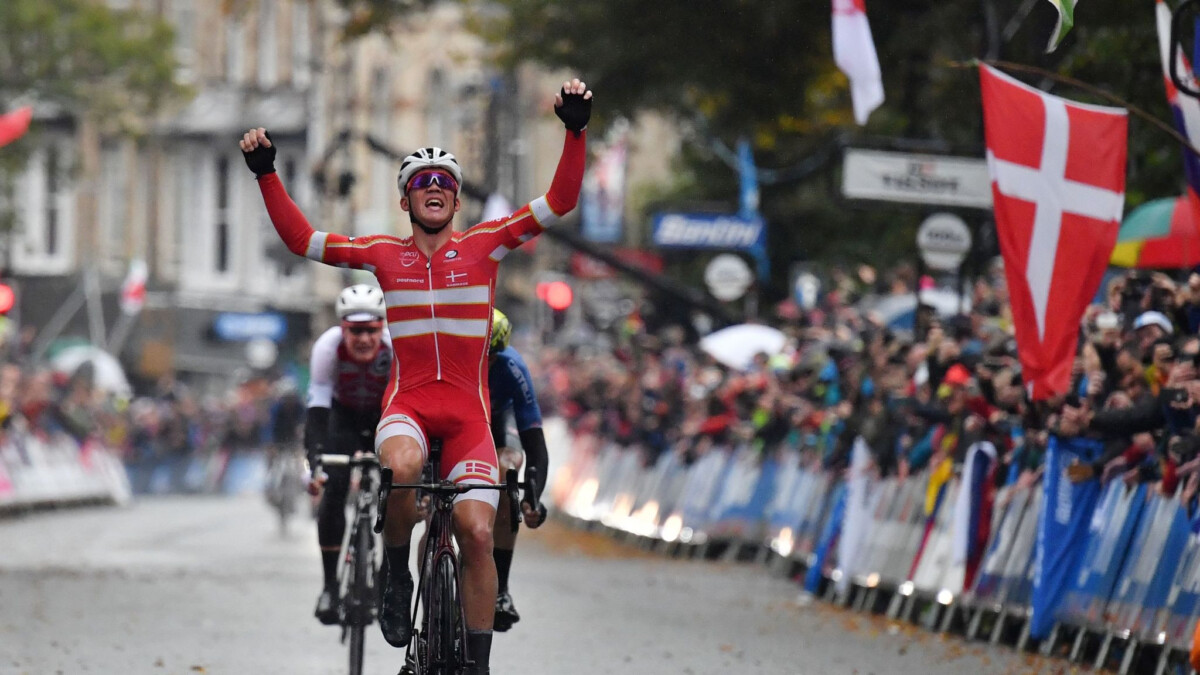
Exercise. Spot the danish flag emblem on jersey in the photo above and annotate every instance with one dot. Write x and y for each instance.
(1058, 182)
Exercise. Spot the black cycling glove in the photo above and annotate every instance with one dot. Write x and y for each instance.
(575, 111)
(261, 160)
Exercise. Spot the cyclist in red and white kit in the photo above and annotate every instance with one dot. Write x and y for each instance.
(439, 287)
(349, 367)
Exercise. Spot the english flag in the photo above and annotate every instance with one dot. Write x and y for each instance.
(1058, 183)
(14, 125)
(854, 53)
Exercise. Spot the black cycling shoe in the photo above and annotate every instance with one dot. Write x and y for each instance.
(327, 609)
(395, 619)
(506, 613)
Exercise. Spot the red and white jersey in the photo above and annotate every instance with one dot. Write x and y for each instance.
(439, 308)
(334, 376)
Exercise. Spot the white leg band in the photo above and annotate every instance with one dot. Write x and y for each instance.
(400, 425)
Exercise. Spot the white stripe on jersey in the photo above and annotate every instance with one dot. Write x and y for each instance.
(461, 327)
(542, 212)
(316, 246)
(468, 295)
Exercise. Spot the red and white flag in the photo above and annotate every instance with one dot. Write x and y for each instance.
(854, 53)
(1058, 182)
(13, 125)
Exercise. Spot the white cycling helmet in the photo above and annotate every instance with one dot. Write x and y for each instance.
(427, 158)
(361, 302)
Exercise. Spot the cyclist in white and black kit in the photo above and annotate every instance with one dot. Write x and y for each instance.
(510, 388)
(350, 365)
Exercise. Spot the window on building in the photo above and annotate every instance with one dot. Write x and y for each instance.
(183, 18)
(221, 253)
(268, 48)
(301, 44)
(439, 104)
(53, 218)
(114, 202)
(235, 50)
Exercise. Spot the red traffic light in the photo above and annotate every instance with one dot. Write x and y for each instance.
(557, 294)
(8, 298)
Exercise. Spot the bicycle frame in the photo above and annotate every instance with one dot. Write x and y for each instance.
(356, 580)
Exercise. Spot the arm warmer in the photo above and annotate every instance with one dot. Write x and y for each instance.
(316, 432)
(534, 442)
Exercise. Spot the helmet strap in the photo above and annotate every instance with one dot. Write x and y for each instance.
(425, 228)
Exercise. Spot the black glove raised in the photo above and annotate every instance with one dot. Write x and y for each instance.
(575, 111)
(261, 160)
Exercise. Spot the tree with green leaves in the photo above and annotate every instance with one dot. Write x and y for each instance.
(764, 70)
(114, 67)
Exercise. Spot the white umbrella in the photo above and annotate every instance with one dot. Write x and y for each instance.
(736, 346)
(109, 375)
(898, 309)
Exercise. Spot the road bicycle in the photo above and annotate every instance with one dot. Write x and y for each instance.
(439, 644)
(285, 486)
(357, 594)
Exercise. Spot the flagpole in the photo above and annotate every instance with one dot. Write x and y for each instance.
(1079, 84)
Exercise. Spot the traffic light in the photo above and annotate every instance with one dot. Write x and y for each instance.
(8, 298)
(558, 296)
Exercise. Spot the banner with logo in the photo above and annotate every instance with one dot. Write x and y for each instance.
(708, 230)
(602, 200)
(1063, 524)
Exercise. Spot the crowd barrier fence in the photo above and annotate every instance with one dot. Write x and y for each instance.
(52, 468)
(1137, 586)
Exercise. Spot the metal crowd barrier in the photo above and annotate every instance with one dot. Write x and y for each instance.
(1138, 582)
(39, 469)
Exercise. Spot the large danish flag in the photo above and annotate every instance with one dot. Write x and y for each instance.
(1058, 182)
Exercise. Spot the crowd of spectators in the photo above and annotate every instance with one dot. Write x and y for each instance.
(919, 394)
(172, 426)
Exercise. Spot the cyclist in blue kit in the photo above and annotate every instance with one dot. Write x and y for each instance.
(510, 388)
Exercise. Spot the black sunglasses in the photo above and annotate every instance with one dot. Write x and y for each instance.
(363, 330)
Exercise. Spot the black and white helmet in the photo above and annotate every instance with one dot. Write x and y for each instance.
(361, 302)
(427, 158)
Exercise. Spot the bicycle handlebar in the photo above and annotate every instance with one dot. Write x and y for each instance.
(348, 460)
(510, 484)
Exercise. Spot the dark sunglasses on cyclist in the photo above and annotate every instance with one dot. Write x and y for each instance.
(428, 178)
(364, 330)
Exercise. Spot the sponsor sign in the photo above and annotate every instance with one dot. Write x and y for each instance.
(944, 240)
(916, 179)
(707, 230)
(728, 277)
(237, 327)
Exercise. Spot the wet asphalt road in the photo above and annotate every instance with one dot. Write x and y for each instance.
(179, 585)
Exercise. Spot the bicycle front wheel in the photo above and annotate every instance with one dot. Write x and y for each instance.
(444, 646)
(358, 610)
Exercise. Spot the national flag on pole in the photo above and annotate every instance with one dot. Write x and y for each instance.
(14, 125)
(1184, 109)
(1058, 176)
(1066, 19)
(854, 53)
(133, 288)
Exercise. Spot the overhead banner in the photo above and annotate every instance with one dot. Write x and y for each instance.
(916, 179)
(708, 230)
(602, 200)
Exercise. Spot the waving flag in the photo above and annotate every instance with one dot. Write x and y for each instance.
(854, 53)
(14, 125)
(1184, 109)
(1066, 19)
(1058, 175)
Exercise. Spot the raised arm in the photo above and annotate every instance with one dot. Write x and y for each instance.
(294, 229)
